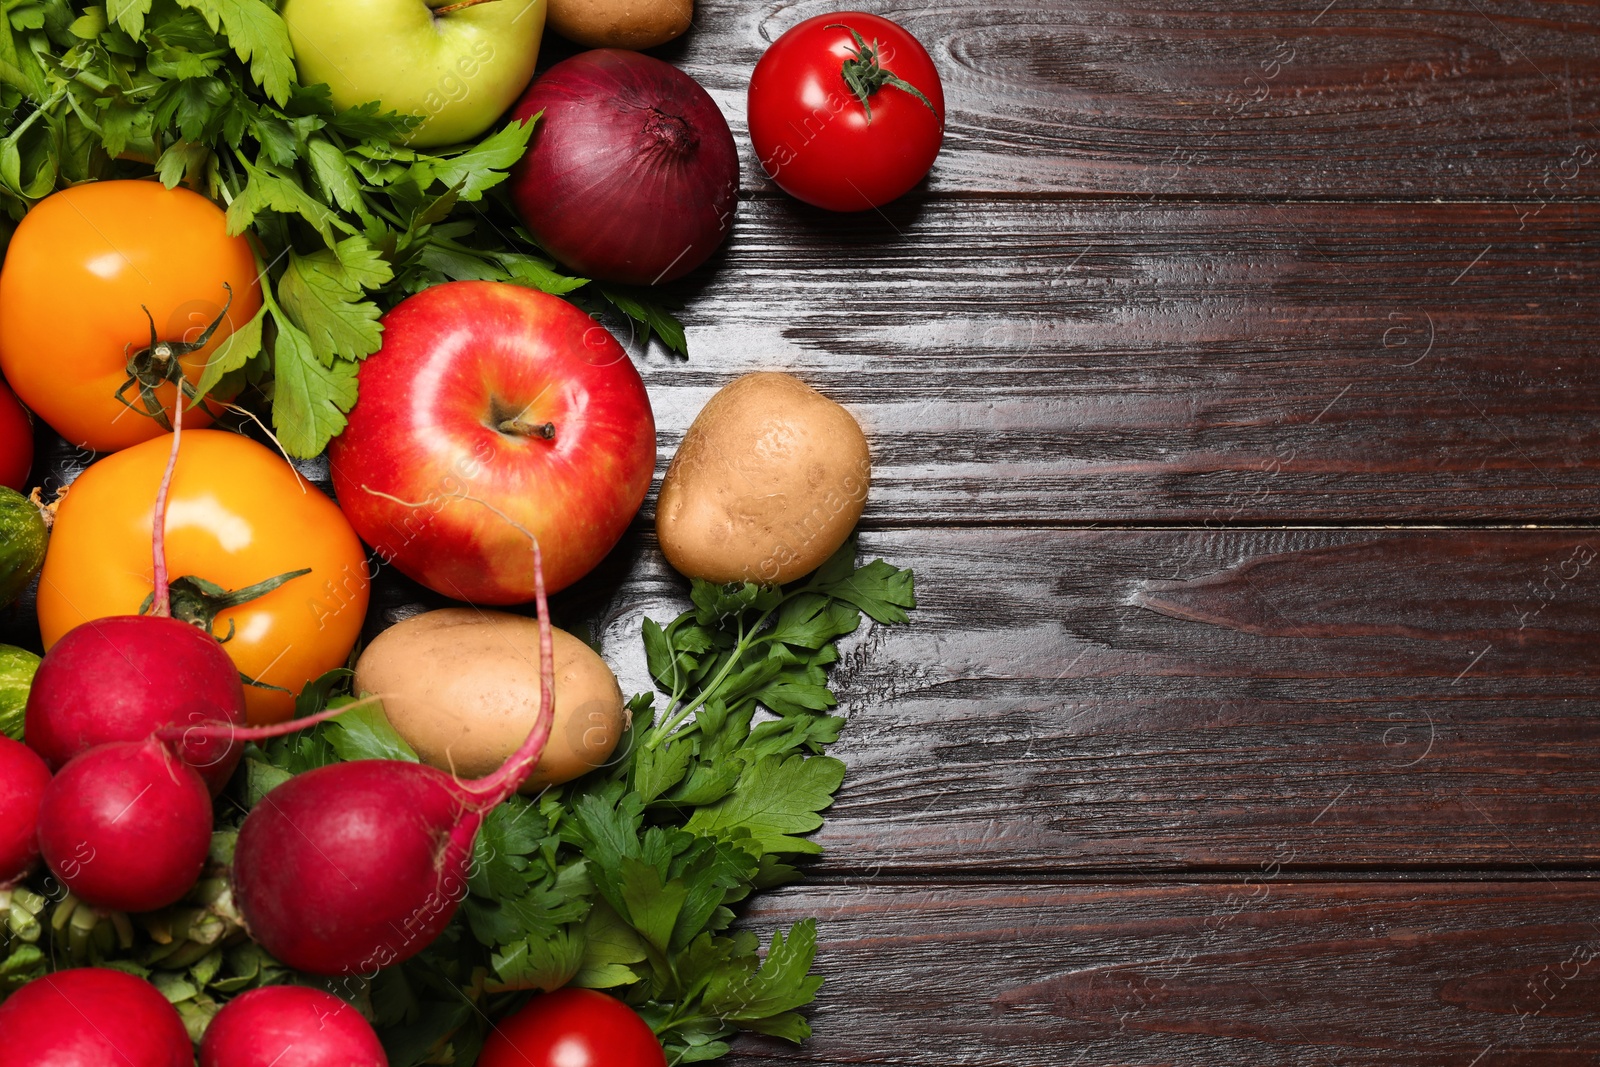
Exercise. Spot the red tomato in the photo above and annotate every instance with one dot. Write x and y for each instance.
(573, 1028)
(16, 441)
(836, 117)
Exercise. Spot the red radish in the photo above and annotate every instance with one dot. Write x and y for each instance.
(355, 866)
(290, 1024)
(91, 1017)
(23, 777)
(122, 678)
(126, 826)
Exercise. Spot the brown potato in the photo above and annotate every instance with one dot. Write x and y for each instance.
(768, 483)
(619, 23)
(462, 687)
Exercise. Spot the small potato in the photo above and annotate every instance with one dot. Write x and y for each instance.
(462, 687)
(768, 483)
(619, 23)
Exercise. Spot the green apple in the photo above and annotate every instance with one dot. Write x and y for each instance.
(457, 63)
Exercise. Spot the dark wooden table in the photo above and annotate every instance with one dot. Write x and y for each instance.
(1232, 391)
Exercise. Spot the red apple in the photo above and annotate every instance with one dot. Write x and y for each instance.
(489, 398)
(16, 441)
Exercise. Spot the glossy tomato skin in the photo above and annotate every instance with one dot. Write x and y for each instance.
(80, 269)
(812, 134)
(237, 515)
(16, 441)
(573, 1028)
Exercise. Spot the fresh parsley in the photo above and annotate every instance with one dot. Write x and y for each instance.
(628, 880)
(347, 219)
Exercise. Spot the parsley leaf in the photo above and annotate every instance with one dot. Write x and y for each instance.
(240, 346)
(323, 296)
(258, 35)
(652, 318)
(481, 167)
(309, 398)
(765, 999)
(272, 189)
(776, 799)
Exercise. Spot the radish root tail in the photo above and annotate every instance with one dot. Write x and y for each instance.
(158, 540)
(221, 730)
(488, 791)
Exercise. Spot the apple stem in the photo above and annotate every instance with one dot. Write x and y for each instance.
(460, 5)
(522, 428)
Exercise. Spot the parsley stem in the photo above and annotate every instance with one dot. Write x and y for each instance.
(688, 1020)
(740, 647)
(747, 640)
(16, 135)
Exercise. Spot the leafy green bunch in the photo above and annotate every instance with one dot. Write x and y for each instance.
(629, 879)
(346, 218)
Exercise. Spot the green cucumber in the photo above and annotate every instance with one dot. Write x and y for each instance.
(16, 678)
(23, 537)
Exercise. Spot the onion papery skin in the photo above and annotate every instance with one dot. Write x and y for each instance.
(632, 175)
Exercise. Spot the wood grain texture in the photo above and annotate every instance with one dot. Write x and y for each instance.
(1160, 699)
(1168, 700)
(1217, 364)
(1193, 797)
(1468, 98)
(1262, 972)
(1119, 362)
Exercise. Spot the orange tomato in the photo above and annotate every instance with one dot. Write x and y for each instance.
(237, 514)
(82, 267)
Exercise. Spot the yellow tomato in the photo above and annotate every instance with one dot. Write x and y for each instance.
(81, 270)
(237, 514)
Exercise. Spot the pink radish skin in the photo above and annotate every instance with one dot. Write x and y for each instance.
(290, 1024)
(91, 1017)
(385, 833)
(23, 777)
(126, 826)
(356, 866)
(123, 678)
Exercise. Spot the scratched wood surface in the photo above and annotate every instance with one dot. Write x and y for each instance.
(1111, 361)
(1348, 98)
(1258, 972)
(1232, 391)
(1167, 700)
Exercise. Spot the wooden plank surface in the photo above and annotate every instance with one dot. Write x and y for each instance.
(1196, 363)
(1263, 971)
(1180, 699)
(1193, 790)
(1170, 699)
(1466, 98)
(1201, 363)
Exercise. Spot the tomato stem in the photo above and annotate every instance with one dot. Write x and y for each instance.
(159, 364)
(865, 75)
(198, 602)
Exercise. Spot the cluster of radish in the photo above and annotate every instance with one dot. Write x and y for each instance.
(142, 718)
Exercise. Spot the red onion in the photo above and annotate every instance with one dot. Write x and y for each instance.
(632, 175)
